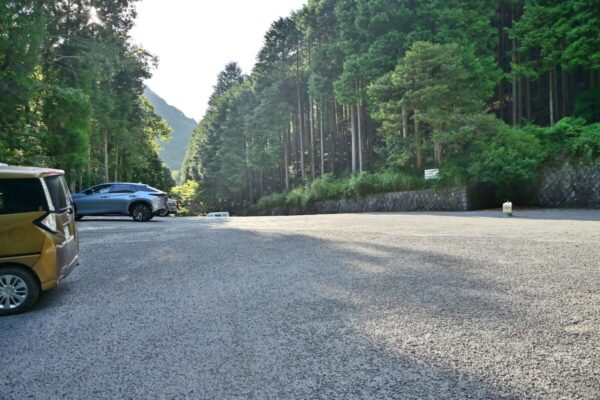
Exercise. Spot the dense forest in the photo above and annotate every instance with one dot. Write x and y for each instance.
(71, 92)
(350, 97)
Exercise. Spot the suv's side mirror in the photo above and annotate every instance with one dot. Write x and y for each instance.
(88, 192)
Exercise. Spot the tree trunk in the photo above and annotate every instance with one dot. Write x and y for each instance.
(520, 101)
(437, 152)
(528, 99)
(285, 160)
(551, 97)
(353, 133)
(359, 136)
(437, 149)
(262, 184)
(105, 140)
(321, 138)
(117, 163)
(514, 83)
(334, 136)
(565, 94)
(312, 140)
(501, 53)
(404, 121)
(250, 186)
(555, 86)
(89, 168)
(419, 150)
(300, 117)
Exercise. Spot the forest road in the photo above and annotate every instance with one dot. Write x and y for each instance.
(390, 306)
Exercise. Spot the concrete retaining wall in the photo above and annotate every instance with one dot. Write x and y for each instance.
(455, 199)
(569, 186)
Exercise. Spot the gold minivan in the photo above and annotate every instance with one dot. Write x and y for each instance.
(38, 239)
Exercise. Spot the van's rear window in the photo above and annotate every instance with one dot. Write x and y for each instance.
(21, 196)
(58, 192)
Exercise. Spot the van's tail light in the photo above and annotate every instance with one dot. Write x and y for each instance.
(48, 223)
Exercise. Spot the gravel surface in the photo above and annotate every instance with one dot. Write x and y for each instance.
(404, 306)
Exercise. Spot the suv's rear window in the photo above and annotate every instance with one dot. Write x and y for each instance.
(21, 196)
(145, 188)
(58, 192)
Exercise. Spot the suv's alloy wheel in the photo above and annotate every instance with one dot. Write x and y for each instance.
(18, 291)
(141, 212)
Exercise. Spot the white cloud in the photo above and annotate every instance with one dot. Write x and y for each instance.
(194, 39)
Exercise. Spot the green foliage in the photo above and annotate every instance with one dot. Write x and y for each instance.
(565, 32)
(571, 139)
(586, 146)
(70, 92)
(327, 187)
(587, 105)
(67, 113)
(21, 35)
(443, 86)
(507, 158)
(400, 86)
(272, 201)
(188, 195)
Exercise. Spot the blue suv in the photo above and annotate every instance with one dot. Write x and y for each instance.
(139, 201)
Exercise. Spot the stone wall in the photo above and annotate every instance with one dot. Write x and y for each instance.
(420, 200)
(569, 186)
(566, 187)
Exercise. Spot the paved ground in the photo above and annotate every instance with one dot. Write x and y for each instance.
(405, 306)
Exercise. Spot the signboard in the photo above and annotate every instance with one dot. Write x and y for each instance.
(432, 174)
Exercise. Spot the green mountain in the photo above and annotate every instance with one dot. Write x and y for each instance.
(172, 151)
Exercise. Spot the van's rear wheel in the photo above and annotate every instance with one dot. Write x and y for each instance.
(141, 212)
(19, 290)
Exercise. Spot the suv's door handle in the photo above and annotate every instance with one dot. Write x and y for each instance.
(133, 195)
(104, 197)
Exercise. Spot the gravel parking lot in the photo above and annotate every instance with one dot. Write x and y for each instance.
(403, 306)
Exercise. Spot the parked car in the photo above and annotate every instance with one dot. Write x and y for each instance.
(222, 214)
(137, 200)
(172, 208)
(38, 238)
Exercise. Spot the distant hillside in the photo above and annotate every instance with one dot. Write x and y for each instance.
(172, 151)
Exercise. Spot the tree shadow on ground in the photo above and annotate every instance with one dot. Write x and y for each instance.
(276, 315)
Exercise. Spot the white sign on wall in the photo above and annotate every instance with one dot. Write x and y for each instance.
(432, 174)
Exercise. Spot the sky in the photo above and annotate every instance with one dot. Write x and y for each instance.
(195, 39)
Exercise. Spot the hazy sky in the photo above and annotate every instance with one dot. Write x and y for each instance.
(194, 39)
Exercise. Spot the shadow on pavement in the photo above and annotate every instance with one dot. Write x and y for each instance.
(226, 312)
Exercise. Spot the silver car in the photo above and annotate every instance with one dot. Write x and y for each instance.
(137, 200)
(172, 208)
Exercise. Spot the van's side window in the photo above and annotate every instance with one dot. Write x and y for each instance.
(21, 196)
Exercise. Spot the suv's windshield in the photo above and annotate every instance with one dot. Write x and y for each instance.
(21, 196)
